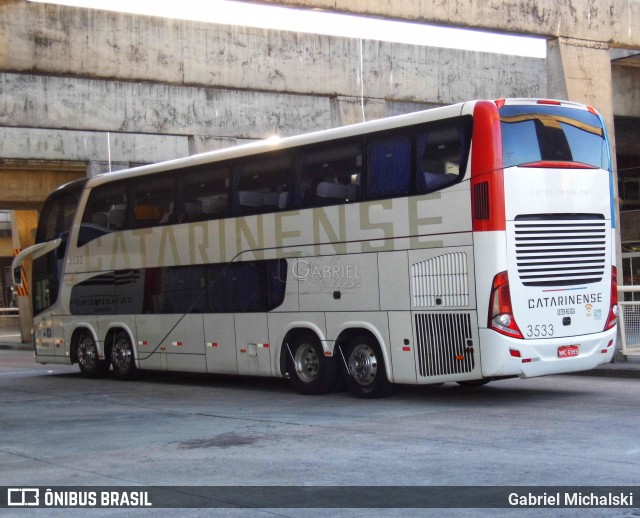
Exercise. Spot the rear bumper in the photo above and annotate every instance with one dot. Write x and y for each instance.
(499, 354)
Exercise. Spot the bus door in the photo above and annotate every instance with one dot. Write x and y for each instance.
(48, 328)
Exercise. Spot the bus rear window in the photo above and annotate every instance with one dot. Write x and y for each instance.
(541, 133)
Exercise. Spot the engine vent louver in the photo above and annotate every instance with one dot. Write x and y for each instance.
(444, 343)
(441, 281)
(557, 250)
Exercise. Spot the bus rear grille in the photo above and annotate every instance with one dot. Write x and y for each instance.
(442, 281)
(444, 343)
(554, 250)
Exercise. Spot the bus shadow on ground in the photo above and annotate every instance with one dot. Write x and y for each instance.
(499, 390)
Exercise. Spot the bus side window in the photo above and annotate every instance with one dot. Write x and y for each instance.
(204, 194)
(389, 166)
(153, 201)
(263, 185)
(441, 152)
(105, 212)
(330, 175)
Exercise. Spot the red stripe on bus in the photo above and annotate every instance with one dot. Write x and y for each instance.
(487, 183)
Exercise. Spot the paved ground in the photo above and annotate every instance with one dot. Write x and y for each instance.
(60, 429)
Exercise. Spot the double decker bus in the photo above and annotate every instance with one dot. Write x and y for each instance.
(467, 243)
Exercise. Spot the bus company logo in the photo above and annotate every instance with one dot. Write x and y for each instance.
(321, 275)
(23, 497)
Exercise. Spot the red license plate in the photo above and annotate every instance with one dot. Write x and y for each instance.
(568, 351)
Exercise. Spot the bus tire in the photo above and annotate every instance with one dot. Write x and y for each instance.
(366, 376)
(91, 366)
(122, 358)
(310, 371)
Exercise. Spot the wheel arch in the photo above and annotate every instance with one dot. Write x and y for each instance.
(348, 332)
(75, 340)
(113, 329)
(295, 329)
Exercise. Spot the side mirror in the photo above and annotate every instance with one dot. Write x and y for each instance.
(17, 276)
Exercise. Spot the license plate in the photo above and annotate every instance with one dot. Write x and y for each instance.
(568, 351)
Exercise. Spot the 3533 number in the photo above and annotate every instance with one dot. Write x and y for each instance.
(540, 331)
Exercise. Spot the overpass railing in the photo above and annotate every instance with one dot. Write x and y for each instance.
(629, 322)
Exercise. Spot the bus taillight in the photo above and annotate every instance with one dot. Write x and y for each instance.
(500, 311)
(612, 319)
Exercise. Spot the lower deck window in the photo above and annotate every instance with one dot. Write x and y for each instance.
(251, 286)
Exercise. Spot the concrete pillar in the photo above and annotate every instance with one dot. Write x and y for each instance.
(23, 227)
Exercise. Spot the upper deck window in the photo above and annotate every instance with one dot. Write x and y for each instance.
(542, 133)
(58, 212)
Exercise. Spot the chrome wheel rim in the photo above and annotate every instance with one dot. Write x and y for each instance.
(307, 363)
(121, 354)
(363, 364)
(87, 353)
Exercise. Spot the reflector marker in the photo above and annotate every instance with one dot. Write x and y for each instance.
(176, 344)
(143, 343)
(406, 349)
(263, 346)
(212, 344)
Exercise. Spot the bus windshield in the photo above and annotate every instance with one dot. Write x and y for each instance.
(532, 135)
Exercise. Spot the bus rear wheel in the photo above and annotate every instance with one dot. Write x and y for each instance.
(91, 366)
(310, 371)
(366, 376)
(122, 359)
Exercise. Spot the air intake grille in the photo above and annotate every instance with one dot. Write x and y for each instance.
(441, 281)
(552, 250)
(444, 343)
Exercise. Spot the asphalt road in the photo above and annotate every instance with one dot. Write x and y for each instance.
(59, 429)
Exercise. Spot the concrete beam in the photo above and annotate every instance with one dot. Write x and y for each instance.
(614, 22)
(60, 144)
(126, 107)
(63, 41)
(27, 183)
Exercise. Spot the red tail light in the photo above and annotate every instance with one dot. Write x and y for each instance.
(500, 311)
(612, 319)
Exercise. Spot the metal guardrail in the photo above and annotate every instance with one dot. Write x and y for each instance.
(629, 322)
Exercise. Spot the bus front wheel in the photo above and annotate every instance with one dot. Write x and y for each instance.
(366, 376)
(91, 366)
(122, 359)
(310, 371)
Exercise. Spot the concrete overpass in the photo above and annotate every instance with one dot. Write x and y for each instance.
(82, 90)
